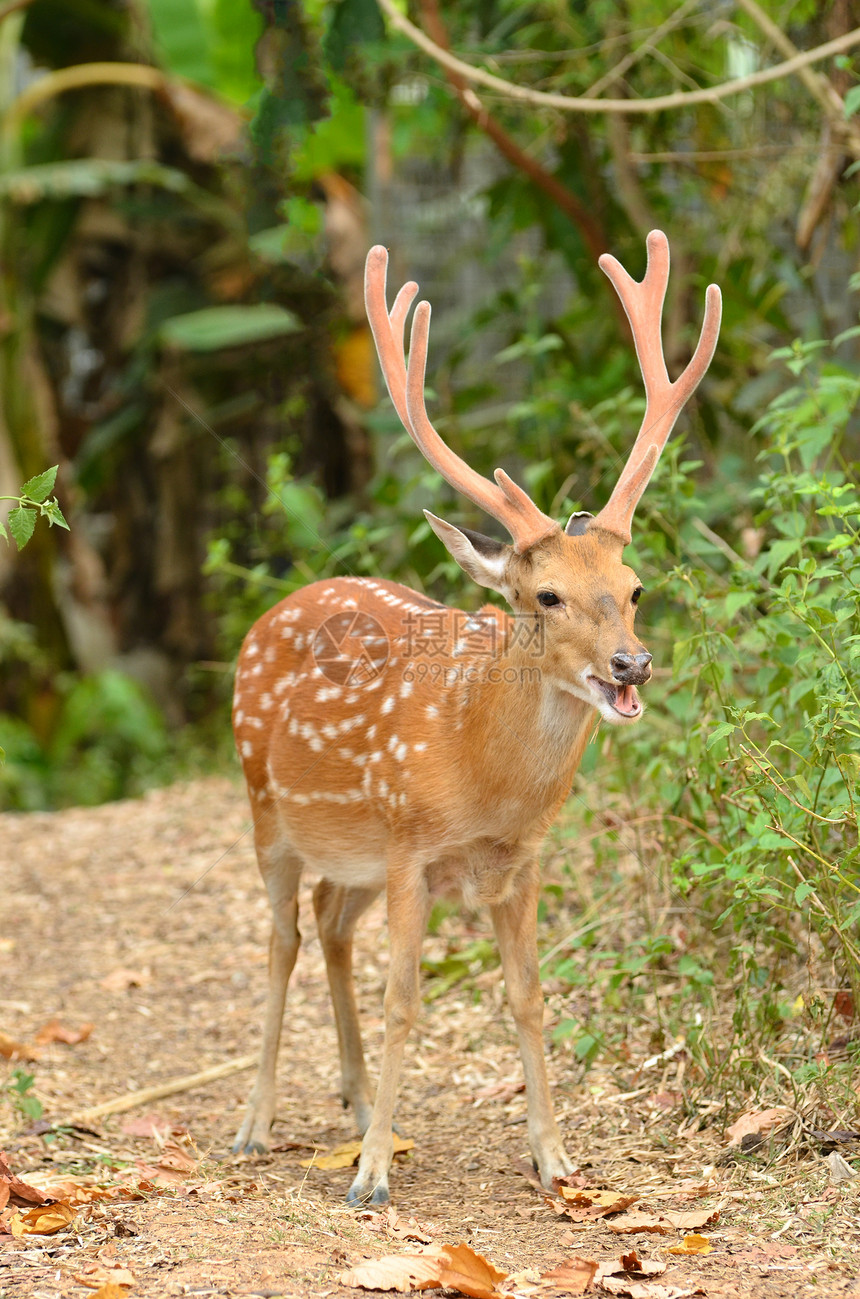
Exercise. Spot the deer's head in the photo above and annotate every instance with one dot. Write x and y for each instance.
(574, 578)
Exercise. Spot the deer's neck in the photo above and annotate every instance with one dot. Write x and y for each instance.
(525, 731)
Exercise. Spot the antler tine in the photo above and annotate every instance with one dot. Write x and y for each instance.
(507, 502)
(643, 302)
(388, 329)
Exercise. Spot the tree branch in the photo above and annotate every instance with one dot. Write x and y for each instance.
(584, 104)
(818, 86)
(560, 195)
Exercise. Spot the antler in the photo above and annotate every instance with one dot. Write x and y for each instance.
(504, 500)
(643, 302)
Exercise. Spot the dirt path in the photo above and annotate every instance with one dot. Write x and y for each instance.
(147, 920)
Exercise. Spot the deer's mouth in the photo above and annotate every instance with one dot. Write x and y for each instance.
(624, 700)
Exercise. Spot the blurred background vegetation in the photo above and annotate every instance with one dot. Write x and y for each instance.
(187, 192)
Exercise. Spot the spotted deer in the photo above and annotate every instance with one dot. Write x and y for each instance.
(391, 742)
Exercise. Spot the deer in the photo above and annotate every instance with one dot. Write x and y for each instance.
(390, 742)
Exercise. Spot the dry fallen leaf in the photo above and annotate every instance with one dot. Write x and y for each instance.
(590, 1204)
(753, 1128)
(56, 1032)
(13, 1190)
(44, 1220)
(12, 1050)
(395, 1272)
(111, 1290)
(88, 1191)
(635, 1266)
(574, 1276)
(346, 1155)
(630, 1224)
(174, 1168)
(840, 1169)
(647, 1289)
(692, 1220)
(100, 1276)
(390, 1222)
(470, 1273)
(694, 1244)
(452, 1267)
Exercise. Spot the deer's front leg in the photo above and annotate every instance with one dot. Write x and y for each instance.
(515, 923)
(408, 908)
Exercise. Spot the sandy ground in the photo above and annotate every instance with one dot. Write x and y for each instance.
(147, 920)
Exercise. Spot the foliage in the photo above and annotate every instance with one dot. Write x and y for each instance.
(32, 502)
(18, 1088)
(106, 741)
(750, 759)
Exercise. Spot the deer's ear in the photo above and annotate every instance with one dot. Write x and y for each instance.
(483, 558)
(577, 524)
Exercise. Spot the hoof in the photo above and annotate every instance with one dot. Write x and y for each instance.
(249, 1148)
(359, 1198)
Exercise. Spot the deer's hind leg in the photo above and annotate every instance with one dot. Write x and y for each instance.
(281, 868)
(337, 910)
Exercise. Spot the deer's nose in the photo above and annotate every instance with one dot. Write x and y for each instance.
(631, 669)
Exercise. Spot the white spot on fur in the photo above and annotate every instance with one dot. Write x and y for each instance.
(388, 704)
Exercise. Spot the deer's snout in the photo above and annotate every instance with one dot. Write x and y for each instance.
(631, 669)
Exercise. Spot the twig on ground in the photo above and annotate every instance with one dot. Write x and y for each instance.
(186, 1083)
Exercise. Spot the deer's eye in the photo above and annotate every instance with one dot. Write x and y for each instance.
(548, 599)
(636, 594)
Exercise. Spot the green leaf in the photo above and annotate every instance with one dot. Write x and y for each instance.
(852, 101)
(235, 31)
(86, 178)
(214, 328)
(3, 533)
(183, 38)
(736, 600)
(353, 23)
(719, 732)
(52, 512)
(22, 521)
(802, 892)
(40, 488)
